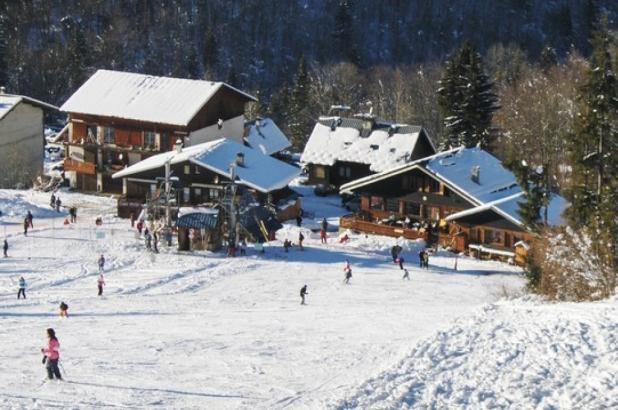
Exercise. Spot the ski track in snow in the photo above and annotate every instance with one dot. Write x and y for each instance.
(198, 330)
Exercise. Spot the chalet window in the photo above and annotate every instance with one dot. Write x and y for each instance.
(492, 237)
(186, 195)
(108, 135)
(149, 139)
(319, 172)
(197, 194)
(213, 193)
(377, 203)
(345, 172)
(187, 169)
(164, 143)
(412, 208)
(392, 205)
(433, 212)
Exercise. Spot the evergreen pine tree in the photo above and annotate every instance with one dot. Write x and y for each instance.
(299, 101)
(343, 35)
(593, 147)
(536, 194)
(4, 75)
(193, 65)
(467, 99)
(209, 53)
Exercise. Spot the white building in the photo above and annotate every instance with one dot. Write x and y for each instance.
(21, 139)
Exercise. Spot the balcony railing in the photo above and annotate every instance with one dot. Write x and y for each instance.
(357, 224)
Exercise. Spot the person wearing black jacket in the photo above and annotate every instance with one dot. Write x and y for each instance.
(303, 293)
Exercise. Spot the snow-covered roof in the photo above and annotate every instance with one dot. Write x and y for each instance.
(496, 187)
(141, 97)
(343, 140)
(9, 101)
(264, 136)
(260, 171)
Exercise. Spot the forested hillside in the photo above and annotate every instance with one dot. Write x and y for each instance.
(49, 47)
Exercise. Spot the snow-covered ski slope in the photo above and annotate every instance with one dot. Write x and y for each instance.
(180, 330)
(522, 354)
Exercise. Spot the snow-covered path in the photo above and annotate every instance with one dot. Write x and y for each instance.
(202, 331)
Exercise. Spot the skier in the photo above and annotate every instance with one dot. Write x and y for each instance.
(22, 288)
(52, 201)
(5, 248)
(155, 241)
(243, 247)
(30, 218)
(140, 226)
(301, 238)
(101, 263)
(324, 224)
(400, 261)
(100, 284)
(322, 235)
(148, 239)
(64, 310)
(73, 213)
(426, 260)
(286, 245)
(394, 253)
(421, 258)
(406, 274)
(58, 204)
(347, 269)
(52, 355)
(303, 293)
(26, 225)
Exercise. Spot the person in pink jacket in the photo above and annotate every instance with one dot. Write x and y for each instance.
(52, 355)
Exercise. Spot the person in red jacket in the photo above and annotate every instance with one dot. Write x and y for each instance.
(100, 284)
(52, 355)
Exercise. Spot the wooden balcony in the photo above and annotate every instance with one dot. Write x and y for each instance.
(80, 167)
(357, 224)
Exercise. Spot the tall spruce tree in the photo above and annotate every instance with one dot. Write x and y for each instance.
(533, 183)
(299, 102)
(467, 100)
(210, 55)
(343, 35)
(593, 146)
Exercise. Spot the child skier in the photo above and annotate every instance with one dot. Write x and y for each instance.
(406, 275)
(22, 288)
(347, 269)
(5, 248)
(30, 218)
(64, 310)
(301, 238)
(100, 284)
(52, 355)
(303, 293)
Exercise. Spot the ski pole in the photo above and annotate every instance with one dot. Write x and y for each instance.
(62, 367)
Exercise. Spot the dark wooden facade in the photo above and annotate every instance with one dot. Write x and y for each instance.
(105, 145)
(417, 201)
(342, 172)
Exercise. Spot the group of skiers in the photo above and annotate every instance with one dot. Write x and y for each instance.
(55, 202)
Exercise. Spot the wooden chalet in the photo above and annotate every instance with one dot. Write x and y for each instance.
(343, 149)
(117, 119)
(463, 199)
(202, 171)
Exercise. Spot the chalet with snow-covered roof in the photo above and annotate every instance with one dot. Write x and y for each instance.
(200, 173)
(21, 139)
(117, 119)
(340, 149)
(463, 198)
(264, 135)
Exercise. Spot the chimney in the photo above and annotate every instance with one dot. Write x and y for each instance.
(475, 174)
(178, 145)
(240, 159)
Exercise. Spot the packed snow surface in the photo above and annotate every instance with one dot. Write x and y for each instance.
(512, 354)
(198, 330)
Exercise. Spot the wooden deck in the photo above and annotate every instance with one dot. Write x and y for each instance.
(357, 224)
